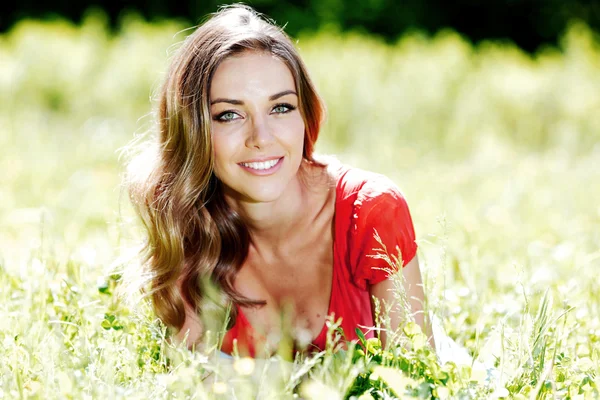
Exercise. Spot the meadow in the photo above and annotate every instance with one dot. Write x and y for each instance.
(497, 152)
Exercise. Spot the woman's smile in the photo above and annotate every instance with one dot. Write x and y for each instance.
(261, 168)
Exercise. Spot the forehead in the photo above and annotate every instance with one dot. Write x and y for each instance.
(251, 74)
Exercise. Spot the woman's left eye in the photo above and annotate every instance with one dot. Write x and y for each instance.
(283, 108)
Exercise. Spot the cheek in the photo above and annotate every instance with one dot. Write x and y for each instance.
(221, 153)
(295, 133)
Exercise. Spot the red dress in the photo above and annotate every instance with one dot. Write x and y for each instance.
(365, 202)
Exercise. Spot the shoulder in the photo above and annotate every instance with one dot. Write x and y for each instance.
(374, 216)
(367, 191)
(379, 206)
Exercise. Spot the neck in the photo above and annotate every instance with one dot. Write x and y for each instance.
(270, 224)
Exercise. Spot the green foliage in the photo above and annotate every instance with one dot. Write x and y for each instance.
(497, 153)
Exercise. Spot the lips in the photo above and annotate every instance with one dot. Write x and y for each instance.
(261, 164)
(261, 159)
(263, 167)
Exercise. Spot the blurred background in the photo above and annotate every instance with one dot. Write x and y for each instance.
(528, 23)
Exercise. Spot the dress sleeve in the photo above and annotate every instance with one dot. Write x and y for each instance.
(379, 207)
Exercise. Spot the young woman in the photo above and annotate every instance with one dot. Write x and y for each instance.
(231, 192)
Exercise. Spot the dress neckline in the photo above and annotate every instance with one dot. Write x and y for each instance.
(338, 168)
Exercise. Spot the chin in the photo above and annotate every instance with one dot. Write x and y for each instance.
(254, 194)
(262, 195)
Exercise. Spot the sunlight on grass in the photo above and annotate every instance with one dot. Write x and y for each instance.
(497, 152)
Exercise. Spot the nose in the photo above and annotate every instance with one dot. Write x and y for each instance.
(260, 135)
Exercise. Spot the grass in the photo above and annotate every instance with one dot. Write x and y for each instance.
(496, 151)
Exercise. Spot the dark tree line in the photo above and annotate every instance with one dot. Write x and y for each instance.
(528, 23)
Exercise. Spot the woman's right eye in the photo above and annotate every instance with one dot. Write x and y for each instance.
(226, 116)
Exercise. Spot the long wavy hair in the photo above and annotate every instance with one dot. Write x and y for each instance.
(192, 234)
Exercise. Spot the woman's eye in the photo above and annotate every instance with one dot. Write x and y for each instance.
(283, 108)
(227, 116)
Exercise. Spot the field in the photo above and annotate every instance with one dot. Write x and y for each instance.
(498, 153)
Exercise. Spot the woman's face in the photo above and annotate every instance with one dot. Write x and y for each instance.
(257, 128)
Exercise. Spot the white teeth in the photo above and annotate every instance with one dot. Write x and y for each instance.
(261, 165)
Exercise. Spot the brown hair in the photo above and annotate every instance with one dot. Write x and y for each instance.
(192, 234)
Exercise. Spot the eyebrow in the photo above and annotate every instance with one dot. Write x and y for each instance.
(239, 102)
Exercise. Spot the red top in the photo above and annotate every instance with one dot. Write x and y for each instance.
(364, 202)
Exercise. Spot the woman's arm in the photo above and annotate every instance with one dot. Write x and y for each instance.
(413, 286)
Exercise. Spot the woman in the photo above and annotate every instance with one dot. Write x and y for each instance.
(233, 194)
